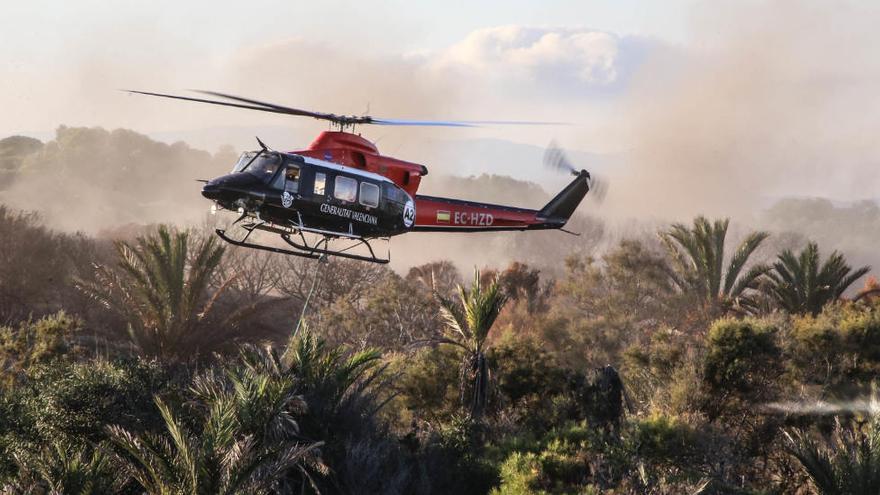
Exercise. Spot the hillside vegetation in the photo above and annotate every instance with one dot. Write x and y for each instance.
(686, 359)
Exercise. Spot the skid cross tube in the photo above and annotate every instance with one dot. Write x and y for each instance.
(330, 252)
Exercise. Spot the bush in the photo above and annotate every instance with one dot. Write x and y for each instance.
(428, 382)
(741, 363)
(664, 440)
(76, 401)
(840, 345)
(37, 342)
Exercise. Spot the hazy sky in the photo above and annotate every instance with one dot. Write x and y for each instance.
(62, 59)
(709, 105)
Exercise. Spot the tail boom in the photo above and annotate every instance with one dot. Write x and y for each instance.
(434, 214)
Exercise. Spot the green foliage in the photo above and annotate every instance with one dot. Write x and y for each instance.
(160, 288)
(664, 440)
(848, 462)
(244, 441)
(602, 307)
(558, 462)
(66, 400)
(36, 265)
(13, 151)
(741, 363)
(345, 391)
(469, 320)
(314, 418)
(64, 468)
(51, 421)
(698, 256)
(427, 381)
(37, 342)
(524, 371)
(800, 284)
(838, 345)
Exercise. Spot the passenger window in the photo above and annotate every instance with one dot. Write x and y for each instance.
(369, 194)
(292, 179)
(345, 189)
(320, 183)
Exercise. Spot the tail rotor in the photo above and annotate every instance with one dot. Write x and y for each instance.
(556, 159)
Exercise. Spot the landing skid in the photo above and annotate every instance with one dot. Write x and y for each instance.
(319, 249)
(222, 234)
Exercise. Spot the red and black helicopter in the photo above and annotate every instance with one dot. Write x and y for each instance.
(342, 189)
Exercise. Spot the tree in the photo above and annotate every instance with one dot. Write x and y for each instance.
(36, 265)
(246, 439)
(161, 289)
(438, 276)
(698, 259)
(63, 468)
(393, 314)
(470, 319)
(13, 151)
(799, 284)
(741, 365)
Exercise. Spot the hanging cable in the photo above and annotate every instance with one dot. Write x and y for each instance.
(302, 315)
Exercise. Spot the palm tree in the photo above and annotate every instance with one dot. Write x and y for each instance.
(64, 468)
(799, 283)
(698, 261)
(162, 291)
(329, 375)
(469, 320)
(248, 440)
(849, 463)
(344, 392)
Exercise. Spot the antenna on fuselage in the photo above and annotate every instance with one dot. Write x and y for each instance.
(262, 144)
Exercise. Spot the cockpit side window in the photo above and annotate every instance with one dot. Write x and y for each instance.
(243, 160)
(263, 165)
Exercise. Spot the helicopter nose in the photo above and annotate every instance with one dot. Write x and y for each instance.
(226, 185)
(211, 190)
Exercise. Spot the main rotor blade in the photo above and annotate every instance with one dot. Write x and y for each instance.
(342, 120)
(202, 100)
(288, 110)
(366, 119)
(457, 123)
(437, 123)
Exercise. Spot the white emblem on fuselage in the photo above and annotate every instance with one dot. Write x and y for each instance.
(409, 214)
(286, 199)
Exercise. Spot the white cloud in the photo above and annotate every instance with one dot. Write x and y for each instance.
(521, 54)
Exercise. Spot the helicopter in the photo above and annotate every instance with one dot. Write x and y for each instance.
(341, 189)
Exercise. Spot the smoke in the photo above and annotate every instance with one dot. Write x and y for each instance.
(868, 406)
(91, 179)
(767, 100)
(771, 99)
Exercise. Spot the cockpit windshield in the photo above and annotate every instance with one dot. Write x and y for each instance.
(262, 164)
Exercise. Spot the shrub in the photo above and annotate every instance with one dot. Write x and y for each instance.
(75, 401)
(840, 345)
(741, 363)
(36, 342)
(664, 440)
(428, 382)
